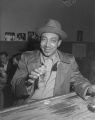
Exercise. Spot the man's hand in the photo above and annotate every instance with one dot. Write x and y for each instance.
(91, 90)
(36, 73)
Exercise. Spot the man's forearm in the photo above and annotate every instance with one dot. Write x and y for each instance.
(81, 87)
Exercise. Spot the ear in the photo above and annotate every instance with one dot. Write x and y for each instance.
(59, 42)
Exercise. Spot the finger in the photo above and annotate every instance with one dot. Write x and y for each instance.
(37, 71)
(33, 77)
(33, 73)
(31, 80)
(40, 70)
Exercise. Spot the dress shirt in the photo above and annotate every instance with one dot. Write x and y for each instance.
(46, 83)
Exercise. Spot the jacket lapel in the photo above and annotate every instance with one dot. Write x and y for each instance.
(62, 82)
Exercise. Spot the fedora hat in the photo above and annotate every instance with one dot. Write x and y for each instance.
(53, 26)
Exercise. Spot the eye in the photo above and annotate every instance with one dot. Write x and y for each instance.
(53, 40)
(43, 39)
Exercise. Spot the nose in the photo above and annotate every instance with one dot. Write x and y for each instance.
(47, 43)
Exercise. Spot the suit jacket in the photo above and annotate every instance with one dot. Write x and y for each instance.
(67, 73)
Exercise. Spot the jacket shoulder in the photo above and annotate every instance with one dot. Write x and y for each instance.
(68, 55)
(68, 58)
(30, 53)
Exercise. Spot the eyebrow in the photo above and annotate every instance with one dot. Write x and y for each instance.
(44, 36)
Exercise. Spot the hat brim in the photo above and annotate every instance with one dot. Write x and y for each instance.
(48, 29)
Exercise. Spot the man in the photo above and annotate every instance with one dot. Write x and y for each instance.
(50, 71)
(7, 65)
(3, 80)
(4, 59)
(7, 74)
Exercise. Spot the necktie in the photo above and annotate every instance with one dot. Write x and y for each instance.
(54, 67)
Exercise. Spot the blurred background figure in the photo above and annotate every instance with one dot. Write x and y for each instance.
(3, 80)
(4, 59)
(14, 61)
(8, 67)
(3, 76)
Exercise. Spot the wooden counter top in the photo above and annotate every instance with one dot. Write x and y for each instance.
(67, 107)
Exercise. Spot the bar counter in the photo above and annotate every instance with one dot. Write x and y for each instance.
(65, 107)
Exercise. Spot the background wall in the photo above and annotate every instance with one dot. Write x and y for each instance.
(25, 15)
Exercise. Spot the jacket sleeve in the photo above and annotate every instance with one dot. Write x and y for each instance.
(21, 72)
(81, 84)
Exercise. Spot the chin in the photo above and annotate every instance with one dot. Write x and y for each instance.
(48, 54)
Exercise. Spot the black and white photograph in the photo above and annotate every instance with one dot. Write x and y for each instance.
(9, 36)
(47, 59)
(32, 35)
(21, 36)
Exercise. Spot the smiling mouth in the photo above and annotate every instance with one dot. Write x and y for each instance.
(47, 50)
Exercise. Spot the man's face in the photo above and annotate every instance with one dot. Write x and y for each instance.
(49, 43)
(4, 59)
